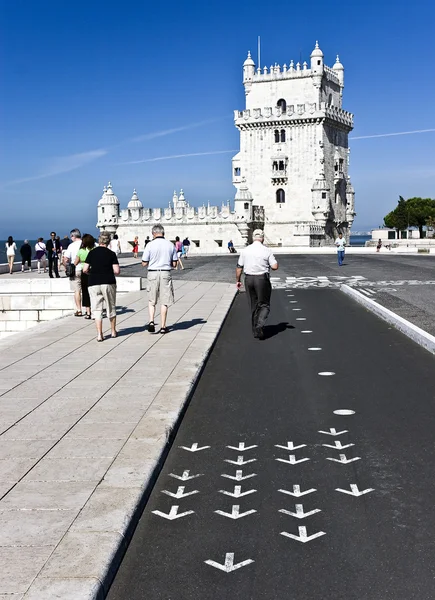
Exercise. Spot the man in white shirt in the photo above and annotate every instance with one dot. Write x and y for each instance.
(340, 242)
(160, 256)
(68, 259)
(257, 260)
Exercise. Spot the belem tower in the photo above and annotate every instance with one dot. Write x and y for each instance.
(291, 174)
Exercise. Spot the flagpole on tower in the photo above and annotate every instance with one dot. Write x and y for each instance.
(259, 53)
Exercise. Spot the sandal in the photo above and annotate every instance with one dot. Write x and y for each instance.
(100, 339)
(151, 327)
(78, 313)
(114, 335)
(88, 317)
(163, 330)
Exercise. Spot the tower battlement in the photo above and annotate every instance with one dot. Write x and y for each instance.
(275, 115)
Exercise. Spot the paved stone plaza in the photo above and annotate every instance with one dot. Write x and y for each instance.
(83, 426)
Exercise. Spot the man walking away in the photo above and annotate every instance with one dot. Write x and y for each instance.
(53, 251)
(340, 242)
(69, 258)
(160, 257)
(26, 255)
(257, 260)
(186, 246)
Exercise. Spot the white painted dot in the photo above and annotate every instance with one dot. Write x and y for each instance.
(291, 295)
(326, 373)
(306, 331)
(296, 308)
(293, 301)
(344, 412)
(301, 319)
(313, 349)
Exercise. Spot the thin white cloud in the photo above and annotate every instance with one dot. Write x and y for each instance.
(173, 156)
(62, 164)
(156, 134)
(380, 135)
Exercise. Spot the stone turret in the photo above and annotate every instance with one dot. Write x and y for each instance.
(243, 203)
(108, 210)
(248, 73)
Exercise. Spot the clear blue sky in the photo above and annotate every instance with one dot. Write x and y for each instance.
(90, 86)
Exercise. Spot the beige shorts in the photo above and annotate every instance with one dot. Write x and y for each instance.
(159, 287)
(99, 294)
(76, 283)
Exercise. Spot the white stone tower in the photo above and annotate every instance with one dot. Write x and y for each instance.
(294, 150)
(108, 210)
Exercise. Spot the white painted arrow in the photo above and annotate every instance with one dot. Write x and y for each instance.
(180, 493)
(343, 460)
(354, 491)
(299, 514)
(333, 431)
(194, 448)
(241, 447)
(303, 537)
(237, 492)
(292, 460)
(185, 476)
(297, 491)
(338, 445)
(235, 512)
(291, 446)
(239, 476)
(229, 565)
(240, 461)
(173, 513)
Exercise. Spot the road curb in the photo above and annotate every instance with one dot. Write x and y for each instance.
(134, 513)
(421, 337)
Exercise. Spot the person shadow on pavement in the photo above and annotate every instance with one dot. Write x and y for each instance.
(186, 324)
(272, 330)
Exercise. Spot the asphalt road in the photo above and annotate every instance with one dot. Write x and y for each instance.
(403, 283)
(377, 546)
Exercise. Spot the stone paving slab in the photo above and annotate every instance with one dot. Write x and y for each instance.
(82, 430)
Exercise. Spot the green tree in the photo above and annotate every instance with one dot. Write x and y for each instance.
(420, 210)
(398, 218)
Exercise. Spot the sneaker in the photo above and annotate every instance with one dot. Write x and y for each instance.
(151, 327)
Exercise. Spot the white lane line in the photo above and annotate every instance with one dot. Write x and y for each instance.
(293, 301)
(301, 319)
(296, 308)
(344, 412)
(314, 349)
(306, 331)
(326, 373)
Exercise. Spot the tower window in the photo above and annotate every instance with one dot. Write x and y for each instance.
(282, 135)
(319, 62)
(281, 166)
(102, 209)
(237, 172)
(276, 133)
(246, 205)
(280, 196)
(282, 104)
(324, 195)
(275, 165)
(340, 165)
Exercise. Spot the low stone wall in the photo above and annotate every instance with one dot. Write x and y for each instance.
(26, 302)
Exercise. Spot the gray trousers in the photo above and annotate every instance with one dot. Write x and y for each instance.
(258, 290)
